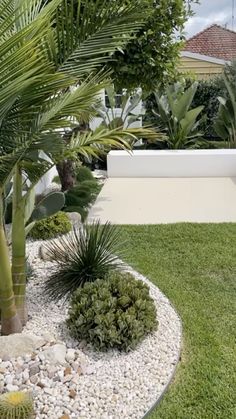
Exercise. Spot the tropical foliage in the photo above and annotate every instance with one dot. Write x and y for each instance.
(128, 103)
(225, 123)
(117, 312)
(44, 50)
(85, 255)
(175, 119)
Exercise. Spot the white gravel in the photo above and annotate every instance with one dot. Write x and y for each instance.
(90, 385)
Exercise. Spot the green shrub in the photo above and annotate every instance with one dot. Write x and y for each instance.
(50, 227)
(117, 312)
(81, 197)
(83, 256)
(83, 194)
(84, 173)
(16, 405)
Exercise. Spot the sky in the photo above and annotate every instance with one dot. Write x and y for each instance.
(209, 12)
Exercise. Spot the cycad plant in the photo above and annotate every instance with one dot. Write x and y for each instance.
(44, 50)
(83, 256)
(176, 120)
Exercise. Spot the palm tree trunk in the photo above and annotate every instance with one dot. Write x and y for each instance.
(18, 248)
(66, 167)
(66, 174)
(10, 322)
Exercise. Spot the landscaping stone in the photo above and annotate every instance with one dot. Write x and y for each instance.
(34, 368)
(68, 379)
(19, 344)
(55, 354)
(75, 218)
(10, 387)
(70, 355)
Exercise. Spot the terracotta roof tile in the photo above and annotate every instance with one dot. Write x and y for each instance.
(214, 41)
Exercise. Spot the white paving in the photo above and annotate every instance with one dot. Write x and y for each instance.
(166, 200)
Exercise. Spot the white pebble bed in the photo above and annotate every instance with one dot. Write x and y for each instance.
(107, 385)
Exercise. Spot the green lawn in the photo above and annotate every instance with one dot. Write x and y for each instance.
(195, 266)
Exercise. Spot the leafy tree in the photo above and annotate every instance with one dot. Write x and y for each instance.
(150, 57)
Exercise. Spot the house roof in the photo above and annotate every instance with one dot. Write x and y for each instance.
(215, 41)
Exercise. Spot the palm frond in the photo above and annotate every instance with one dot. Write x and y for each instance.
(100, 28)
(35, 100)
(95, 143)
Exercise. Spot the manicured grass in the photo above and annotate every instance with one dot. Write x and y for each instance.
(195, 266)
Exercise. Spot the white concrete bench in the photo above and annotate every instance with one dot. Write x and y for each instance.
(172, 163)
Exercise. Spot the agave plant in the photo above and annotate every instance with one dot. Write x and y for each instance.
(87, 254)
(176, 119)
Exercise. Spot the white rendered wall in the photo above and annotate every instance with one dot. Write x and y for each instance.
(45, 180)
(172, 163)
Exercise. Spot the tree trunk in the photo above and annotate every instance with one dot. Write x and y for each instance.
(10, 322)
(18, 248)
(66, 173)
(66, 168)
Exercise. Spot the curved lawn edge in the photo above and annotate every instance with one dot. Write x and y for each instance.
(172, 376)
(158, 401)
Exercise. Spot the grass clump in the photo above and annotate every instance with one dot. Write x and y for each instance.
(117, 312)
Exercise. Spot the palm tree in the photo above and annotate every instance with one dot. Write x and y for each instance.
(44, 50)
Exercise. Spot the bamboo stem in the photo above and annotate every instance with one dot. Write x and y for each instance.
(18, 246)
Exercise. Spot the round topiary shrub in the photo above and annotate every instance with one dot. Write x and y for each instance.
(116, 312)
(51, 227)
(84, 173)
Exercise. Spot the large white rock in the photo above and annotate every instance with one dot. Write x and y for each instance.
(19, 344)
(56, 354)
(75, 218)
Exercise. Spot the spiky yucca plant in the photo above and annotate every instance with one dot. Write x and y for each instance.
(85, 255)
(16, 405)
